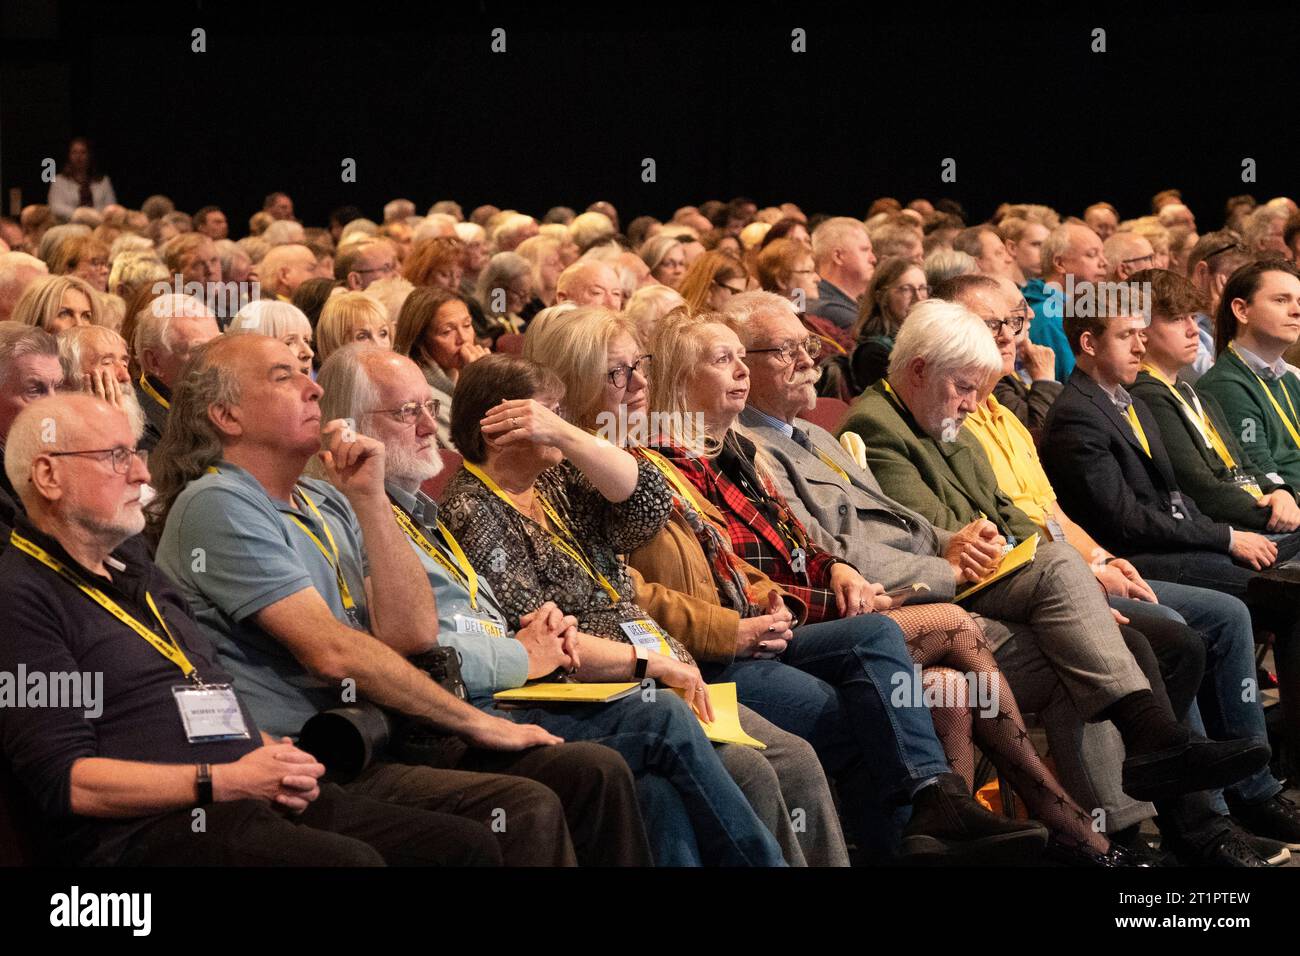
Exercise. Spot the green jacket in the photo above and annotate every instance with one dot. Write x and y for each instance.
(1202, 475)
(956, 482)
(1251, 417)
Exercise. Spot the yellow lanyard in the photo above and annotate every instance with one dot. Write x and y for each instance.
(169, 648)
(562, 537)
(153, 392)
(1288, 422)
(1131, 412)
(1200, 421)
(332, 555)
(461, 570)
(671, 474)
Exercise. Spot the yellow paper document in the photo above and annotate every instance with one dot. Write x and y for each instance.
(562, 692)
(725, 728)
(1013, 561)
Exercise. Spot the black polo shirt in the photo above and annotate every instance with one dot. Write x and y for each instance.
(50, 626)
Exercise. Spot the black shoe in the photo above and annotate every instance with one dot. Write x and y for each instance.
(1076, 854)
(1199, 764)
(1231, 847)
(949, 826)
(1277, 818)
(1274, 852)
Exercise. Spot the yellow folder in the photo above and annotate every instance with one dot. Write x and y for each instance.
(725, 728)
(1013, 561)
(564, 692)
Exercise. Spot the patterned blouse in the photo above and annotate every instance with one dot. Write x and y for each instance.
(525, 566)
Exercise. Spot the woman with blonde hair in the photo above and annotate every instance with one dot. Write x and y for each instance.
(649, 304)
(55, 303)
(351, 317)
(598, 358)
(84, 257)
(702, 368)
(665, 258)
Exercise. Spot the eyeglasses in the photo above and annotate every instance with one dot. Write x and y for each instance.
(1150, 260)
(121, 456)
(388, 268)
(409, 412)
(730, 288)
(920, 291)
(787, 351)
(1014, 322)
(620, 375)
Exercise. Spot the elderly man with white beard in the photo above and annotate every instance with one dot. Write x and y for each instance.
(678, 774)
(97, 358)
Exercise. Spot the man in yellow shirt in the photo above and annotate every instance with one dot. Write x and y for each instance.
(1223, 620)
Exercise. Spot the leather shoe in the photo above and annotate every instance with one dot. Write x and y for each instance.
(1199, 764)
(949, 826)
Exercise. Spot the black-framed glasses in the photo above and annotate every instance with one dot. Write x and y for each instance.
(1014, 322)
(787, 351)
(1149, 259)
(620, 375)
(121, 456)
(732, 289)
(389, 268)
(918, 291)
(408, 413)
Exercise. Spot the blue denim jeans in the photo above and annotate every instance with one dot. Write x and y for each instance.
(833, 687)
(1229, 696)
(659, 735)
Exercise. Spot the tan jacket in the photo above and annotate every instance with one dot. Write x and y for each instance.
(674, 583)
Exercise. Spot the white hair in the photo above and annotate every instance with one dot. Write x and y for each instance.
(500, 269)
(949, 337)
(470, 232)
(284, 232)
(391, 293)
(944, 263)
(589, 228)
(268, 317)
(647, 305)
(366, 226)
(129, 242)
(434, 225)
(747, 307)
(153, 323)
(834, 233)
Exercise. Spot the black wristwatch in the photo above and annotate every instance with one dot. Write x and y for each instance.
(642, 661)
(204, 779)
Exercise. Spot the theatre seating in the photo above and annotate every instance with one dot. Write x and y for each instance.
(828, 413)
(511, 343)
(450, 465)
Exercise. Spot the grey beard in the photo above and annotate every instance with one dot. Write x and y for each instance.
(405, 465)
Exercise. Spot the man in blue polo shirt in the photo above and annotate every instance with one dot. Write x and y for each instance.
(274, 568)
(687, 792)
(148, 736)
(1072, 256)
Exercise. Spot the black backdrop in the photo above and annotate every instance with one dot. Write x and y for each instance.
(714, 95)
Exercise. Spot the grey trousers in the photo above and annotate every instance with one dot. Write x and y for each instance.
(1062, 652)
(1072, 628)
(787, 788)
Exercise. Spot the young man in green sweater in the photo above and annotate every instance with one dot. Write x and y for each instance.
(1257, 320)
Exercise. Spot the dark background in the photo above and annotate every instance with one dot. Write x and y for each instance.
(714, 94)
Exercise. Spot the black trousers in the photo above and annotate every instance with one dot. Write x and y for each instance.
(338, 829)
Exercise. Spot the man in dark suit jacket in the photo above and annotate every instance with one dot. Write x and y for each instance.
(1107, 461)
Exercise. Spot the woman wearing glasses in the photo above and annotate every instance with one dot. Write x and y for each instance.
(599, 359)
(543, 509)
(897, 285)
(701, 367)
(712, 280)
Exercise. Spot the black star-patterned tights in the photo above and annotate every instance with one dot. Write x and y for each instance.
(949, 646)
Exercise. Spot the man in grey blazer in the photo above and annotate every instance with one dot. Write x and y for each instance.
(1053, 626)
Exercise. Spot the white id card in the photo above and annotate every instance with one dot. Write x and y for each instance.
(1054, 528)
(469, 624)
(210, 713)
(643, 633)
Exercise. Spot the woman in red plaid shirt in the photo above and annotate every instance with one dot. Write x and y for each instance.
(700, 370)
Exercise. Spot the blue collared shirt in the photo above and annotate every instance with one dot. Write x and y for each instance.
(776, 423)
(1257, 365)
(488, 664)
(1204, 352)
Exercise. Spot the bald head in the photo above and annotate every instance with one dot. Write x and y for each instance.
(1127, 253)
(17, 270)
(88, 494)
(284, 268)
(590, 283)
